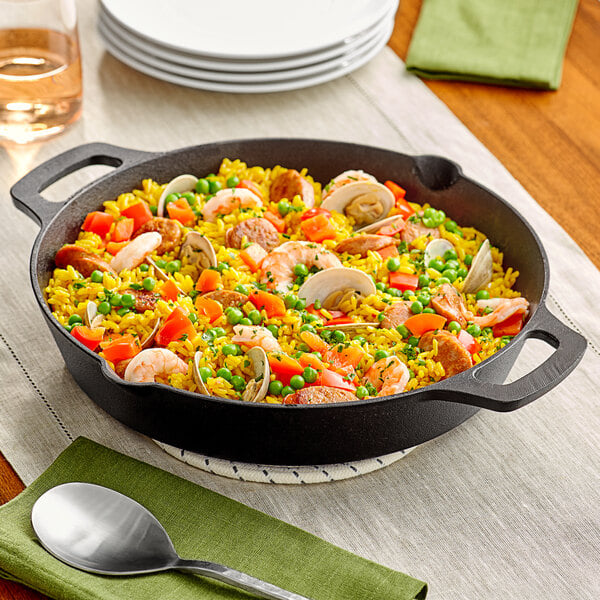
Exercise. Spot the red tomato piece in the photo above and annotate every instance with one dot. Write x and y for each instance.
(332, 379)
(469, 342)
(98, 222)
(123, 230)
(140, 213)
(174, 328)
(90, 338)
(120, 348)
(403, 281)
(313, 212)
(510, 326)
(272, 304)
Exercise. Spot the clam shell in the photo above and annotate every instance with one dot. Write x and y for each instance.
(150, 337)
(92, 318)
(197, 377)
(436, 248)
(480, 273)
(323, 284)
(376, 225)
(349, 326)
(365, 201)
(179, 185)
(160, 274)
(257, 388)
(198, 250)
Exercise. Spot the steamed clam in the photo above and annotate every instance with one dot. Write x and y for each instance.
(480, 273)
(198, 250)
(377, 225)
(196, 373)
(179, 185)
(160, 274)
(436, 249)
(147, 342)
(258, 387)
(92, 318)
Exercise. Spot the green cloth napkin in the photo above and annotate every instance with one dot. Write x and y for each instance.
(506, 42)
(202, 525)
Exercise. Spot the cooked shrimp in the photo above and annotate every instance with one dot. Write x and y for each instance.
(503, 309)
(278, 266)
(149, 363)
(134, 253)
(388, 376)
(251, 335)
(344, 178)
(226, 201)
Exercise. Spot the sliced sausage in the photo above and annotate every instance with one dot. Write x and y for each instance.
(81, 260)
(168, 228)
(449, 303)
(412, 231)
(361, 244)
(319, 394)
(455, 358)
(227, 298)
(258, 231)
(290, 184)
(396, 314)
(144, 299)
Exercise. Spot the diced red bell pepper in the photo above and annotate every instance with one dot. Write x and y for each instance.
(469, 342)
(275, 220)
(318, 228)
(510, 326)
(169, 291)
(174, 328)
(180, 211)
(399, 192)
(120, 347)
(208, 281)
(140, 213)
(313, 212)
(283, 365)
(209, 308)
(332, 379)
(98, 222)
(123, 230)
(90, 338)
(272, 304)
(403, 281)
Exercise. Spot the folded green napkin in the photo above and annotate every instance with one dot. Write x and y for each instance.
(506, 42)
(202, 525)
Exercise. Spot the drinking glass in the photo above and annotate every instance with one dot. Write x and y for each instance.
(40, 68)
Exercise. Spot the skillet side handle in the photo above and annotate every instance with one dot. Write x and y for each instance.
(570, 347)
(26, 193)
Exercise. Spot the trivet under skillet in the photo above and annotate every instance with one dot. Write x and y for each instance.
(282, 474)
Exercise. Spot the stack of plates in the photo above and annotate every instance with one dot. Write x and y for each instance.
(246, 46)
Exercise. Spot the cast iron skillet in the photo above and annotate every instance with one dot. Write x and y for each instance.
(273, 434)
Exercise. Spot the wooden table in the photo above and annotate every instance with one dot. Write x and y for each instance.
(548, 141)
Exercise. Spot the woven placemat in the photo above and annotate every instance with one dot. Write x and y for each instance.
(300, 474)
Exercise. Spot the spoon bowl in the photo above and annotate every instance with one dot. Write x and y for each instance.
(96, 529)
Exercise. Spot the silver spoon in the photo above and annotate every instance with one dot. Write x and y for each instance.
(96, 529)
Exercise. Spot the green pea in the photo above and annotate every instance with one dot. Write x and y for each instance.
(361, 392)
(148, 284)
(442, 280)
(300, 270)
(274, 330)
(462, 273)
(436, 264)
(75, 320)
(115, 300)
(394, 292)
(429, 310)
(225, 373)
(454, 326)
(213, 187)
(275, 387)
(468, 259)
(223, 266)
(429, 222)
(308, 327)
(241, 289)
(255, 317)
(413, 341)
(317, 305)
(424, 299)
(290, 301)
(403, 331)
(287, 390)
(144, 267)
(161, 263)
(482, 295)
(393, 263)
(173, 266)
(104, 308)
(408, 294)
(97, 276)
(202, 186)
(451, 226)
(297, 382)
(380, 286)
(238, 383)
(310, 375)
(450, 254)
(154, 209)
(245, 321)
(300, 304)
(127, 300)
(451, 264)
(339, 336)
(219, 332)
(310, 318)
(234, 315)
(381, 317)
(474, 330)
(360, 340)
(424, 280)
(205, 373)
(123, 311)
(450, 274)
(303, 347)
(416, 307)
(380, 354)
(284, 207)
(193, 317)
(69, 328)
(429, 212)
(171, 198)
(232, 181)
(231, 349)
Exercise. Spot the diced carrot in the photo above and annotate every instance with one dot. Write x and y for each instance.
(510, 326)
(123, 230)
(98, 222)
(275, 220)
(272, 304)
(120, 347)
(209, 308)
(90, 338)
(253, 255)
(283, 365)
(169, 290)
(318, 228)
(180, 211)
(388, 251)
(419, 324)
(349, 356)
(314, 342)
(208, 281)
(250, 185)
(403, 281)
(140, 213)
(175, 327)
(115, 247)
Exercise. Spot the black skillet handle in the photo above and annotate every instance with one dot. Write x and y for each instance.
(570, 347)
(26, 193)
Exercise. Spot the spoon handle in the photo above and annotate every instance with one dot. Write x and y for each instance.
(261, 589)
